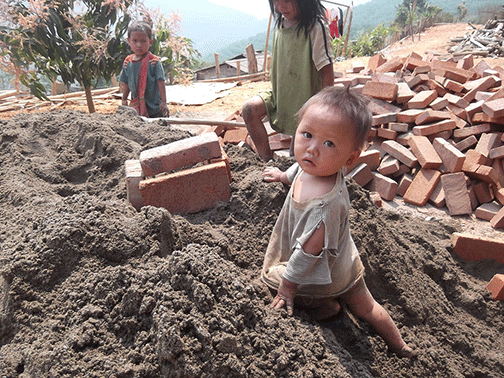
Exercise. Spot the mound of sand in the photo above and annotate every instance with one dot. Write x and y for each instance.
(91, 288)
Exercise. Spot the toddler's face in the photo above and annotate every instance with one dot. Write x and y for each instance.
(324, 142)
(139, 43)
(288, 8)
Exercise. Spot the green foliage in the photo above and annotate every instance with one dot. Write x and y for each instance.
(372, 41)
(58, 40)
(176, 52)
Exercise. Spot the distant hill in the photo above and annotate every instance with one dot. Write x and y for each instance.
(365, 17)
(211, 27)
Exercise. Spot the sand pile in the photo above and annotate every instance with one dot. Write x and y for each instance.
(89, 287)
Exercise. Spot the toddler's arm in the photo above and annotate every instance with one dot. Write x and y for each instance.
(273, 174)
(285, 296)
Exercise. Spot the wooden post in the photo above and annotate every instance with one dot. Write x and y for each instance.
(217, 67)
(238, 69)
(348, 31)
(252, 61)
(265, 63)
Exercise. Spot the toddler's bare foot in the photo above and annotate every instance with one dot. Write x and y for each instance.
(404, 352)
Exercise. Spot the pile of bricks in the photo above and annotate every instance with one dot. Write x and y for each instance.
(185, 176)
(437, 133)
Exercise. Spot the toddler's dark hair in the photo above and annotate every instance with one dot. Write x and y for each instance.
(351, 106)
(140, 26)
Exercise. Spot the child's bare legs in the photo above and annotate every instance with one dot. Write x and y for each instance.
(363, 305)
(253, 112)
(320, 309)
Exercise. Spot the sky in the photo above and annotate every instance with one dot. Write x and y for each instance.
(260, 8)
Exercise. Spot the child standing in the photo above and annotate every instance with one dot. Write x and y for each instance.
(143, 75)
(311, 257)
(302, 64)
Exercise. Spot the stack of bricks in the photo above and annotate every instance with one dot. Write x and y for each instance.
(437, 133)
(185, 176)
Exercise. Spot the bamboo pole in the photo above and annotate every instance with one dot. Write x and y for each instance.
(348, 31)
(187, 121)
(234, 78)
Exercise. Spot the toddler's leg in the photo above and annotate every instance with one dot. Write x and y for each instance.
(253, 112)
(320, 309)
(363, 305)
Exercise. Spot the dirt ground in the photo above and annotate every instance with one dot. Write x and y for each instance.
(89, 287)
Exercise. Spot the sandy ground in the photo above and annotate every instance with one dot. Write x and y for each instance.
(89, 287)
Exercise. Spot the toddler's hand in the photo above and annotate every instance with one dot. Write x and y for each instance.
(285, 296)
(271, 174)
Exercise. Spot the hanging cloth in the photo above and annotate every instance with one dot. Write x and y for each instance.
(332, 16)
(139, 103)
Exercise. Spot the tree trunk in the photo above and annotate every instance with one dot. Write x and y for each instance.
(89, 100)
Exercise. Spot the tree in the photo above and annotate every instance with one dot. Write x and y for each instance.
(80, 43)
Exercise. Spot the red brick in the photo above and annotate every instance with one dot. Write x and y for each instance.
(388, 166)
(452, 158)
(481, 67)
(404, 184)
(438, 197)
(361, 174)
(474, 157)
(434, 128)
(391, 65)
(377, 106)
(488, 141)
(370, 157)
(485, 118)
(386, 133)
(134, 175)
(380, 90)
(466, 143)
(456, 100)
(496, 287)
(475, 248)
(472, 130)
(429, 116)
(400, 152)
(188, 191)
(472, 196)
(487, 211)
(400, 127)
(179, 154)
(422, 100)
(280, 141)
(480, 85)
(421, 188)
(454, 86)
(385, 186)
(455, 189)
(381, 119)
(439, 103)
(376, 61)
(475, 107)
(466, 62)
(404, 93)
(435, 86)
(483, 191)
(409, 116)
(235, 135)
(494, 108)
(425, 152)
